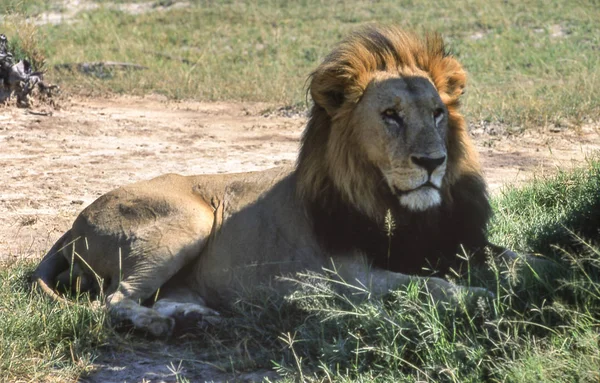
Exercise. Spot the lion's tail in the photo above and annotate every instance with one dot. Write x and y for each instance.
(51, 266)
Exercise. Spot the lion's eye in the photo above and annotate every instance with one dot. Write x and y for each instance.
(390, 113)
(393, 121)
(438, 115)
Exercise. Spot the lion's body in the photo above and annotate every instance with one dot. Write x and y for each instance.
(215, 220)
(385, 138)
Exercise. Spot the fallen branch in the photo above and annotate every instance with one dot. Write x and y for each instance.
(100, 69)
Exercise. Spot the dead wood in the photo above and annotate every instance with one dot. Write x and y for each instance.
(19, 78)
(101, 69)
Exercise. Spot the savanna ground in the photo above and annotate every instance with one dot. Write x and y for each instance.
(222, 90)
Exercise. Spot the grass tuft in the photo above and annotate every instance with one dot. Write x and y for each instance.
(544, 215)
(24, 41)
(41, 339)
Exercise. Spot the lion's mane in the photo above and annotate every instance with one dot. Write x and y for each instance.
(344, 194)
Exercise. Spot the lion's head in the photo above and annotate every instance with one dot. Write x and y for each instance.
(402, 126)
(385, 133)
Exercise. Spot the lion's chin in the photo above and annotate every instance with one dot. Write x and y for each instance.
(421, 199)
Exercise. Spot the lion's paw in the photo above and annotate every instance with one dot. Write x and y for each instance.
(192, 321)
(154, 323)
(188, 316)
(444, 291)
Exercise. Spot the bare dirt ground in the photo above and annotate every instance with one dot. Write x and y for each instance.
(54, 162)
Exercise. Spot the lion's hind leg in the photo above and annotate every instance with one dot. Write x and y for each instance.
(146, 270)
(75, 280)
(142, 259)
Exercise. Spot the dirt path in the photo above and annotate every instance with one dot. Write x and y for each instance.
(53, 165)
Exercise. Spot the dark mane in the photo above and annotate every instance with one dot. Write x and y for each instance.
(420, 241)
(344, 194)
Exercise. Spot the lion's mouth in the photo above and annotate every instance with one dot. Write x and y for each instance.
(426, 185)
(421, 198)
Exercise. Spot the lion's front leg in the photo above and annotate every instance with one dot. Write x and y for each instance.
(377, 282)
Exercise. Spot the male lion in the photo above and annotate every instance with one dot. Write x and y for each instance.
(384, 138)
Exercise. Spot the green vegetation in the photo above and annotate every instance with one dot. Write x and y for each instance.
(26, 7)
(522, 335)
(530, 62)
(550, 211)
(40, 339)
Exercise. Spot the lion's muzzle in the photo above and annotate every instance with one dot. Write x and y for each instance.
(418, 187)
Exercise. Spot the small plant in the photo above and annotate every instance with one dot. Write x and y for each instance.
(26, 46)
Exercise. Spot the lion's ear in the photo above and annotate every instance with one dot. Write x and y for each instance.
(327, 89)
(452, 78)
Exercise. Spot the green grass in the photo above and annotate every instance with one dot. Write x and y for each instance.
(27, 7)
(42, 340)
(550, 211)
(531, 335)
(530, 62)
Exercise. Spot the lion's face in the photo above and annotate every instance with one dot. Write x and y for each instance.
(386, 120)
(402, 124)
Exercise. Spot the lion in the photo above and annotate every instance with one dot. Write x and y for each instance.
(385, 138)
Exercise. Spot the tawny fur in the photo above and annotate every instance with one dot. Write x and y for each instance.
(207, 240)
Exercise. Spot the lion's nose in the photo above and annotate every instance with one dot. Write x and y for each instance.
(428, 163)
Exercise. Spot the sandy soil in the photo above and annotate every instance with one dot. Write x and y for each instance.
(54, 162)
